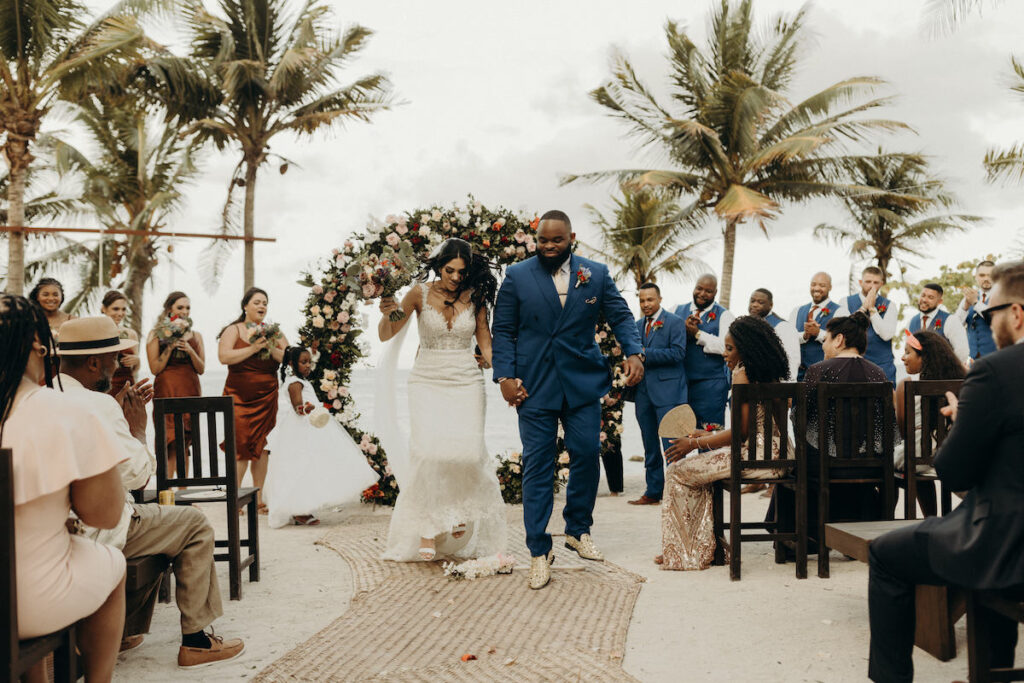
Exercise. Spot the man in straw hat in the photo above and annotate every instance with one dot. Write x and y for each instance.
(88, 350)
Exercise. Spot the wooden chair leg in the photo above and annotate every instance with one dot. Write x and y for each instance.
(979, 657)
(718, 514)
(800, 524)
(946, 504)
(254, 544)
(165, 585)
(235, 551)
(823, 567)
(65, 660)
(735, 530)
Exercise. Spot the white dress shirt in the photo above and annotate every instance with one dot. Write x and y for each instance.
(884, 324)
(134, 472)
(961, 313)
(815, 308)
(790, 339)
(714, 344)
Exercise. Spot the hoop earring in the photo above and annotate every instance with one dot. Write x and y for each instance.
(43, 352)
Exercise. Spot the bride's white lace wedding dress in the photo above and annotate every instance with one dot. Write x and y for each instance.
(450, 477)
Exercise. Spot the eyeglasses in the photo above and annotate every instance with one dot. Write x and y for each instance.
(987, 313)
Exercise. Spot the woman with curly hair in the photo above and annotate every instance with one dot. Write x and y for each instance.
(449, 501)
(755, 355)
(931, 357)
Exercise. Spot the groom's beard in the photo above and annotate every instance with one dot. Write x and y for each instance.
(552, 263)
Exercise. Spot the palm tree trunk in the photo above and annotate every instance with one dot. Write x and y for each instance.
(249, 274)
(883, 263)
(19, 158)
(725, 287)
(140, 272)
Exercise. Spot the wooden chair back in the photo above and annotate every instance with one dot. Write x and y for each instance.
(206, 468)
(920, 441)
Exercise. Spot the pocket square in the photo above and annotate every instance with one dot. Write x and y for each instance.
(592, 300)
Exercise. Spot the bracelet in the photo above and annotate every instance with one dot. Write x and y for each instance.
(298, 409)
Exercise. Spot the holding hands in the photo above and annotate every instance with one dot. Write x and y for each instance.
(513, 391)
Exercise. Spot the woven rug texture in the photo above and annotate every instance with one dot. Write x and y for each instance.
(408, 622)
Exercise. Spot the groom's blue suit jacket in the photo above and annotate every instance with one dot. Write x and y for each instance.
(550, 348)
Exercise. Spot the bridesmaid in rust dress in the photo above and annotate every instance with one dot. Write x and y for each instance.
(115, 307)
(176, 368)
(252, 381)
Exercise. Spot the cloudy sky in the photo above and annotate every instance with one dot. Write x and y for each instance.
(495, 104)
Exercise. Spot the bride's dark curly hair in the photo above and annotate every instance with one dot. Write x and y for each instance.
(759, 347)
(480, 279)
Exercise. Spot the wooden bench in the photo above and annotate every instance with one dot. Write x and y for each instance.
(938, 607)
(143, 579)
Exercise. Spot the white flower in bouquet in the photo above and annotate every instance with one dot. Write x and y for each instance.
(318, 322)
(563, 458)
(424, 217)
(435, 215)
(424, 231)
(563, 474)
(462, 219)
(319, 417)
(315, 310)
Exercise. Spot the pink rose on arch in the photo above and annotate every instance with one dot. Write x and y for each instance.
(334, 325)
(346, 327)
(393, 239)
(332, 394)
(616, 351)
(329, 296)
(343, 317)
(337, 404)
(520, 236)
(342, 391)
(401, 228)
(368, 291)
(531, 247)
(317, 289)
(604, 437)
(372, 449)
(334, 252)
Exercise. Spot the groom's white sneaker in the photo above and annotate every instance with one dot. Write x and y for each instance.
(540, 570)
(584, 547)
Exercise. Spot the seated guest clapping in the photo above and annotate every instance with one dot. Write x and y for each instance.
(755, 355)
(929, 356)
(88, 349)
(980, 544)
(65, 458)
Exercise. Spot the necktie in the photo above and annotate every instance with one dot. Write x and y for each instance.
(924, 322)
(811, 313)
(647, 331)
(561, 286)
(984, 297)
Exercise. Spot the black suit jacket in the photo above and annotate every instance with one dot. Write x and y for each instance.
(980, 544)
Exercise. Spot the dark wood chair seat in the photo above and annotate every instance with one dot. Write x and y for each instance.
(209, 481)
(918, 448)
(773, 401)
(21, 655)
(144, 577)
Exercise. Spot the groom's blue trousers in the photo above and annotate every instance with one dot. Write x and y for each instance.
(538, 429)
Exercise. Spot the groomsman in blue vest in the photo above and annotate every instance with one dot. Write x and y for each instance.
(761, 304)
(930, 317)
(707, 379)
(979, 334)
(810, 320)
(663, 387)
(883, 314)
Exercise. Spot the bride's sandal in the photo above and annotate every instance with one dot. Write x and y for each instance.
(427, 552)
(459, 531)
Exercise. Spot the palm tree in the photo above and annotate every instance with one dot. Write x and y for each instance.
(896, 220)
(137, 181)
(643, 237)
(47, 49)
(276, 70)
(737, 146)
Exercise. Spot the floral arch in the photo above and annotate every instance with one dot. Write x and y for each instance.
(333, 326)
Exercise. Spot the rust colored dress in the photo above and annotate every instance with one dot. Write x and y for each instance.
(253, 384)
(178, 379)
(122, 374)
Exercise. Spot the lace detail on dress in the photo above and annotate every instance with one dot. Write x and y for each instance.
(433, 327)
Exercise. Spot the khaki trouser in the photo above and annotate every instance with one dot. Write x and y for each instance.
(185, 536)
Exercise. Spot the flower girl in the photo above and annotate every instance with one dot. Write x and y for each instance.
(316, 463)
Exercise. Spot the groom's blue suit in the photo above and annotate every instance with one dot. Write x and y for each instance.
(553, 351)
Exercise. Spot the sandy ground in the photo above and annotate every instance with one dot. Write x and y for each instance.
(687, 626)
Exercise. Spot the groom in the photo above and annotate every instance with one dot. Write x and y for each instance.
(550, 367)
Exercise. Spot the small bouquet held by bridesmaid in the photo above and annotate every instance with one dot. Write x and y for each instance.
(170, 330)
(269, 331)
(378, 276)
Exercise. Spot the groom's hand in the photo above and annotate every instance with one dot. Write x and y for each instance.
(634, 371)
(513, 392)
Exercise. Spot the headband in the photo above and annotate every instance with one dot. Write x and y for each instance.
(912, 341)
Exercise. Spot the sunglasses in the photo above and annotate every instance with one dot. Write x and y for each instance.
(987, 313)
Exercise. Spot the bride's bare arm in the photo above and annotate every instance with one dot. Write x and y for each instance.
(411, 302)
(483, 336)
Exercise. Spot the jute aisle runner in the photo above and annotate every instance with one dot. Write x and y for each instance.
(408, 622)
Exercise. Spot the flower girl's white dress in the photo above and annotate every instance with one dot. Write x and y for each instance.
(450, 477)
(310, 467)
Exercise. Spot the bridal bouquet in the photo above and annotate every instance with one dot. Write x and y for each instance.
(484, 566)
(378, 276)
(269, 331)
(170, 330)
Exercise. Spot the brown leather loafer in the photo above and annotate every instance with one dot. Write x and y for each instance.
(131, 642)
(644, 500)
(220, 650)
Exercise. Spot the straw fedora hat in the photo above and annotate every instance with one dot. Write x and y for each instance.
(678, 423)
(91, 336)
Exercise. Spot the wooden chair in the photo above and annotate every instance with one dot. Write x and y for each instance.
(772, 399)
(20, 655)
(850, 407)
(917, 443)
(214, 486)
(144, 576)
(1009, 604)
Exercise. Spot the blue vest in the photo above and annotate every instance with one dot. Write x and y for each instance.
(810, 350)
(937, 323)
(979, 334)
(879, 350)
(773, 320)
(700, 365)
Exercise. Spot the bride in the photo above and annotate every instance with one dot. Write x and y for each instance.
(449, 502)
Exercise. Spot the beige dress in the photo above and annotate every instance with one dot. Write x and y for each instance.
(687, 523)
(61, 578)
